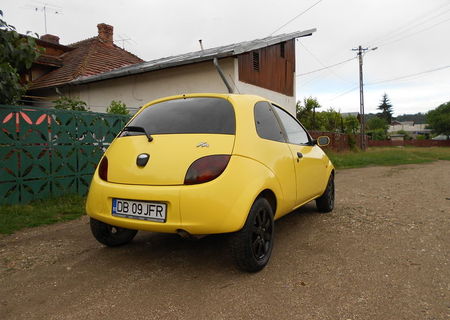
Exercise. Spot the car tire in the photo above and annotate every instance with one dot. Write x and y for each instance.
(251, 246)
(325, 203)
(109, 235)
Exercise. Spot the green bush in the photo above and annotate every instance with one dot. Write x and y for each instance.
(118, 107)
(377, 134)
(352, 142)
(66, 103)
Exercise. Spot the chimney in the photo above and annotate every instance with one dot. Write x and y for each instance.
(50, 38)
(105, 33)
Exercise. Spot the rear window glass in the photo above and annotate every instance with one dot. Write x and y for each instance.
(190, 115)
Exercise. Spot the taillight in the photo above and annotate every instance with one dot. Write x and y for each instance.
(206, 169)
(103, 169)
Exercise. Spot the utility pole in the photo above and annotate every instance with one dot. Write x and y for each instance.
(360, 52)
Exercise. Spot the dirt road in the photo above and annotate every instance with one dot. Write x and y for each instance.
(382, 254)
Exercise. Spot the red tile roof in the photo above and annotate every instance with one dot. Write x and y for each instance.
(89, 57)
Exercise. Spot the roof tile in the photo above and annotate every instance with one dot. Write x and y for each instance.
(89, 57)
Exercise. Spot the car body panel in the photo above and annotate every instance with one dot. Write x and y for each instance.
(218, 206)
(310, 170)
(212, 207)
(170, 156)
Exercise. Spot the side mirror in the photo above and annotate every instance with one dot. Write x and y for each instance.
(323, 141)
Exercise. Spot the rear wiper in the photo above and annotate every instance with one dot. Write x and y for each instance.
(138, 129)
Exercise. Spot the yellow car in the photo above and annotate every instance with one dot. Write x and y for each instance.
(202, 164)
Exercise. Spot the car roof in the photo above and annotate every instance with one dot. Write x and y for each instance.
(235, 99)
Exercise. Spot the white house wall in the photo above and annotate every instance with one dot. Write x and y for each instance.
(137, 90)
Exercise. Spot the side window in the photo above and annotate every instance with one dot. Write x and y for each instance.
(294, 131)
(266, 122)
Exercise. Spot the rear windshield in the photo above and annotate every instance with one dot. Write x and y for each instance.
(190, 115)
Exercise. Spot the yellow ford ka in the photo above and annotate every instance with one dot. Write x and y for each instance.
(203, 164)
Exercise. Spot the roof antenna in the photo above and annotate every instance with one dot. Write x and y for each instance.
(201, 44)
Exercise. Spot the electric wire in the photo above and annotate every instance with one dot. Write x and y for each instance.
(326, 67)
(344, 93)
(413, 34)
(297, 16)
(390, 80)
(413, 23)
(407, 76)
(322, 64)
(403, 33)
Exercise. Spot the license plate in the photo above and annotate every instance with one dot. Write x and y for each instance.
(142, 210)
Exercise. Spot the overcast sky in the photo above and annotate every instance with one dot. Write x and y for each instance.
(412, 36)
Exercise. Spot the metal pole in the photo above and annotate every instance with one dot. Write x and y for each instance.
(361, 99)
(361, 94)
(45, 18)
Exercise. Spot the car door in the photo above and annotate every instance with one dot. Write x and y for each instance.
(273, 151)
(309, 158)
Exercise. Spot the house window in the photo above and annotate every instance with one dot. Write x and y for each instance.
(256, 61)
(282, 49)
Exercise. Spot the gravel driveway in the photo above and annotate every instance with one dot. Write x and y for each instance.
(382, 254)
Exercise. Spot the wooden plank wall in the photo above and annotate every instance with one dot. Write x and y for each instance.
(275, 72)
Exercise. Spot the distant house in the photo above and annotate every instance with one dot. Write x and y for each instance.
(97, 72)
(60, 64)
(409, 127)
(397, 137)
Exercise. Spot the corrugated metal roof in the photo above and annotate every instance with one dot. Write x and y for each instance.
(193, 57)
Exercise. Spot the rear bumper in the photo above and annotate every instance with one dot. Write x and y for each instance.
(218, 206)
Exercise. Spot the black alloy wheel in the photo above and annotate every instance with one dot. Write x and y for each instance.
(325, 203)
(252, 245)
(262, 233)
(109, 235)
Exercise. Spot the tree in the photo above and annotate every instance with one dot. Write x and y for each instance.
(417, 118)
(386, 109)
(377, 123)
(377, 128)
(329, 120)
(351, 124)
(66, 103)
(17, 54)
(439, 119)
(306, 114)
(118, 107)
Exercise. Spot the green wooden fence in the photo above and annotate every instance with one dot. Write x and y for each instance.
(48, 152)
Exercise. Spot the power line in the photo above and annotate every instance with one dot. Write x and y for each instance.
(312, 79)
(301, 13)
(389, 80)
(413, 34)
(322, 64)
(326, 67)
(344, 93)
(413, 23)
(408, 76)
(408, 27)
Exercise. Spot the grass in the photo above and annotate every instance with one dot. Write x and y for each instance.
(388, 156)
(40, 212)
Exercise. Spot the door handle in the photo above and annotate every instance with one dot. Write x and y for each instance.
(299, 156)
